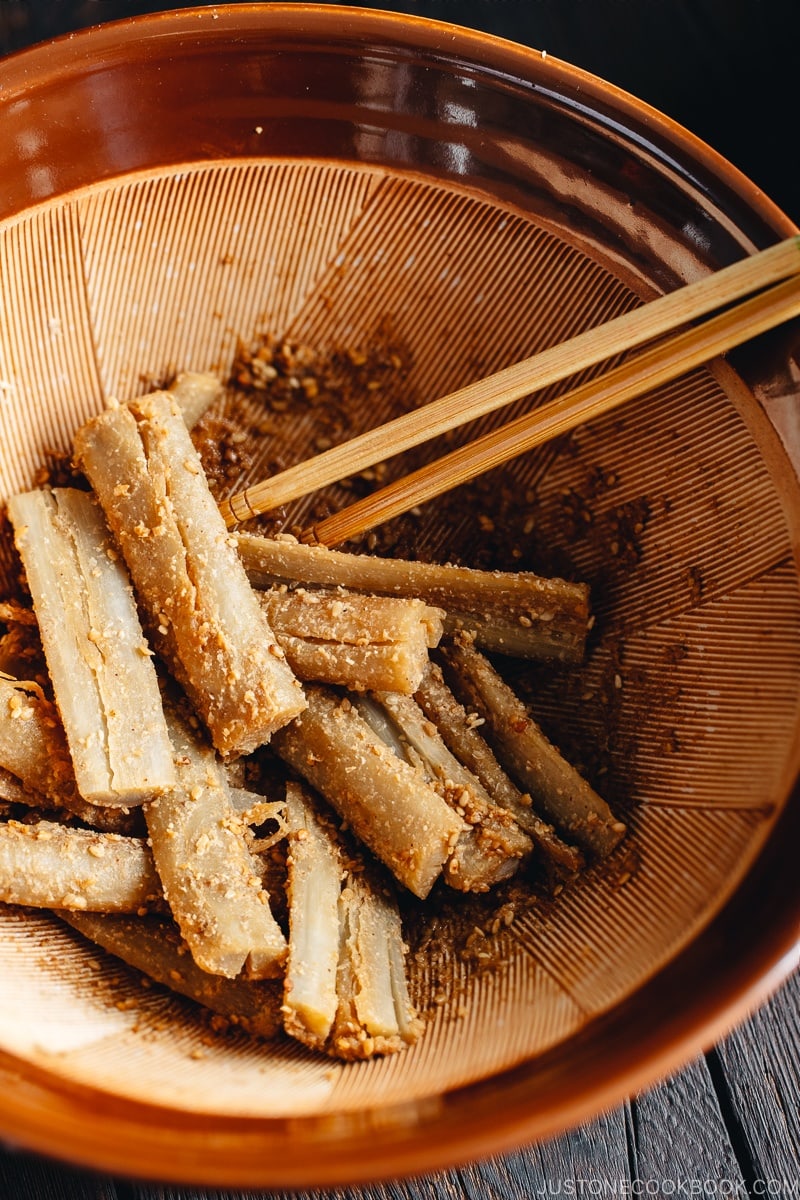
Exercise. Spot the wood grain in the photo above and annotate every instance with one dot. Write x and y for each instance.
(26, 1177)
(760, 1072)
(678, 1132)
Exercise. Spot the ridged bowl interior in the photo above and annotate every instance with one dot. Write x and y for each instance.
(681, 511)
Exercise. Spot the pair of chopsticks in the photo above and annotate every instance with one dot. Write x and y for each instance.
(771, 280)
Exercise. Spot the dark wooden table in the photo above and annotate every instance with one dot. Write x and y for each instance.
(729, 1123)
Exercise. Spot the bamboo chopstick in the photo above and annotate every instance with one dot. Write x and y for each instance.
(651, 320)
(645, 371)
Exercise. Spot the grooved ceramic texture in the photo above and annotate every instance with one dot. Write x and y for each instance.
(694, 664)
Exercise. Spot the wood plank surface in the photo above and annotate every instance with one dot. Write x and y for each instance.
(759, 1067)
(679, 1135)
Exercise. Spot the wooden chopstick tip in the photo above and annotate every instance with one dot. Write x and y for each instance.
(237, 509)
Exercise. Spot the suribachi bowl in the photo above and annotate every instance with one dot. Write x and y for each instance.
(340, 177)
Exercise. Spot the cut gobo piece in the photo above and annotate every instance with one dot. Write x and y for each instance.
(458, 730)
(209, 878)
(365, 643)
(398, 666)
(345, 991)
(374, 1013)
(386, 802)
(103, 678)
(518, 613)
(493, 845)
(203, 614)
(563, 795)
(337, 615)
(48, 865)
(315, 874)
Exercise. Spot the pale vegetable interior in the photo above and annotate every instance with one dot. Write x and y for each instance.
(676, 512)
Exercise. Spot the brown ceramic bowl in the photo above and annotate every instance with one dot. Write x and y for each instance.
(176, 182)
